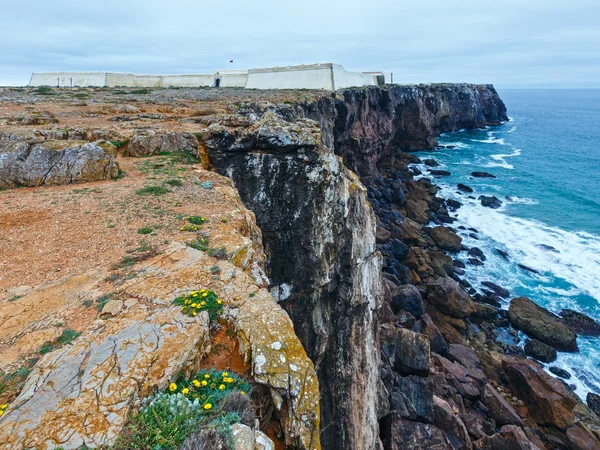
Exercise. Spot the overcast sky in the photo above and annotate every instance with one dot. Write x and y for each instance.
(511, 43)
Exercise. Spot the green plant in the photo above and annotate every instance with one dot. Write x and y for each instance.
(65, 338)
(219, 253)
(152, 190)
(103, 300)
(211, 400)
(196, 220)
(174, 183)
(215, 269)
(15, 298)
(203, 300)
(120, 144)
(199, 244)
(80, 95)
(145, 230)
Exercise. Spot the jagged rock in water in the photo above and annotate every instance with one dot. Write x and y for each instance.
(540, 351)
(147, 143)
(540, 324)
(56, 162)
(446, 239)
(593, 401)
(580, 323)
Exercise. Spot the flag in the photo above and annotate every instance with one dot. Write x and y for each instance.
(231, 60)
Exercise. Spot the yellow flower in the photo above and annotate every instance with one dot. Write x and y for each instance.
(204, 382)
(185, 391)
(194, 305)
(219, 301)
(194, 313)
(221, 387)
(4, 406)
(225, 374)
(207, 406)
(243, 393)
(207, 376)
(1, 412)
(205, 294)
(196, 383)
(172, 387)
(203, 303)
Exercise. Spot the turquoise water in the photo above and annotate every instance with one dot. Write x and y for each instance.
(547, 164)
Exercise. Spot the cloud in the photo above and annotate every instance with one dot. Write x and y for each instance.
(509, 43)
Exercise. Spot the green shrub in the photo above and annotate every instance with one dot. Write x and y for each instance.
(196, 220)
(174, 183)
(145, 230)
(152, 190)
(203, 300)
(65, 338)
(199, 244)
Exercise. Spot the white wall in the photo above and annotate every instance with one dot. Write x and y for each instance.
(64, 79)
(343, 79)
(314, 76)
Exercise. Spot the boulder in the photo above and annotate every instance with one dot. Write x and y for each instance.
(490, 202)
(408, 298)
(419, 391)
(450, 297)
(540, 324)
(56, 162)
(580, 437)
(476, 252)
(402, 434)
(580, 323)
(482, 175)
(149, 142)
(446, 239)
(593, 401)
(540, 351)
(498, 408)
(451, 424)
(510, 437)
(548, 400)
(498, 290)
(417, 210)
(562, 373)
(466, 356)
(431, 162)
(437, 343)
(407, 351)
(439, 173)
(464, 188)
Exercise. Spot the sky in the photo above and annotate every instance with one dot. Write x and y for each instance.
(511, 43)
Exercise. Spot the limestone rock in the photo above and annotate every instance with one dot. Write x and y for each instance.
(449, 297)
(150, 142)
(540, 324)
(112, 308)
(243, 437)
(55, 162)
(548, 400)
(446, 239)
(262, 441)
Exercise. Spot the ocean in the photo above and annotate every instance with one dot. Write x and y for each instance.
(546, 160)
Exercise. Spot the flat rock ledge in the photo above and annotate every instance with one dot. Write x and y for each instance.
(83, 393)
(26, 164)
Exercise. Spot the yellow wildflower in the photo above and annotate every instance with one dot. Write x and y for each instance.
(194, 305)
(4, 406)
(196, 383)
(221, 387)
(207, 406)
(204, 382)
(1, 412)
(172, 387)
(242, 392)
(219, 301)
(194, 313)
(207, 376)
(203, 303)
(205, 294)
(185, 391)
(225, 374)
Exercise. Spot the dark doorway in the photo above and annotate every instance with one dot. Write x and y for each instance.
(217, 82)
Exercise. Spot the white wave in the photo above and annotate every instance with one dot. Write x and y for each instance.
(504, 165)
(455, 144)
(577, 260)
(571, 292)
(501, 162)
(522, 201)
(501, 156)
(512, 130)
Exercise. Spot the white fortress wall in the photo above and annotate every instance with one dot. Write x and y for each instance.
(313, 76)
(343, 79)
(64, 79)
(231, 78)
(188, 80)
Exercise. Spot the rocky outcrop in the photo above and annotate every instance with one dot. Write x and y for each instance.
(580, 323)
(319, 234)
(147, 143)
(540, 324)
(83, 393)
(24, 163)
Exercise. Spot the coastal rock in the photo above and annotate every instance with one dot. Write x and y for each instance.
(149, 142)
(548, 400)
(490, 202)
(402, 434)
(408, 298)
(540, 351)
(510, 437)
(431, 162)
(562, 373)
(407, 351)
(419, 391)
(540, 324)
(446, 239)
(482, 175)
(500, 410)
(56, 162)
(464, 188)
(593, 401)
(440, 173)
(498, 290)
(449, 422)
(437, 342)
(580, 323)
(580, 437)
(476, 253)
(450, 297)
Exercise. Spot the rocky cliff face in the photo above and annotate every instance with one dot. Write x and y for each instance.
(319, 228)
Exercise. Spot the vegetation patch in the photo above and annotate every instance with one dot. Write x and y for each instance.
(65, 338)
(210, 401)
(199, 244)
(174, 183)
(152, 190)
(103, 300)
(139, 92)
(197, 301)
(145, 230)
(120, 144)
